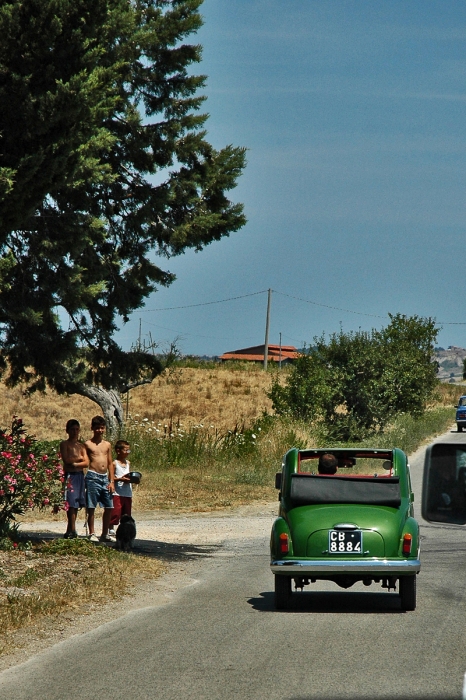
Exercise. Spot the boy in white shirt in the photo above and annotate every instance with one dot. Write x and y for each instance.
(123, 495)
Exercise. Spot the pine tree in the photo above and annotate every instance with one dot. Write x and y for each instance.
(103, 162)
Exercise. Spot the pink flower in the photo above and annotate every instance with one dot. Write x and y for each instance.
(2, 492)
(46, 501)
(11, 489)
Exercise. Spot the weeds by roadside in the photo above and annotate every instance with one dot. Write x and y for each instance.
(197, 468)
(62, 574)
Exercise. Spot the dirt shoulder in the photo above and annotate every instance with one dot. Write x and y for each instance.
(180, 542)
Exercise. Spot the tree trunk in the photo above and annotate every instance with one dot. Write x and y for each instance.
(109, 401)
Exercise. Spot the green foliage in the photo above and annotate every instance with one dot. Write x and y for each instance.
(80, 547)
(406, 432)
(239, 456)
(357, 383)
(29, 478)
(201, 452)
(104, 165)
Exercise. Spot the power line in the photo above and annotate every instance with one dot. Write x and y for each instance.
(206, 303)
(194, 335)
(290, 296)
(335, 308)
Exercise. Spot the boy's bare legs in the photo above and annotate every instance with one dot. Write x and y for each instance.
(106, 517)
(90, 520)
(105, 520)
(71, 515)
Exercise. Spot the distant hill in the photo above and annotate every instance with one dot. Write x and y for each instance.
(450, 363)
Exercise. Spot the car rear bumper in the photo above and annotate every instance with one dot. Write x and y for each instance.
(307, 567)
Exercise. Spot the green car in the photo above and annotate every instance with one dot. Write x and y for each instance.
(346, 515)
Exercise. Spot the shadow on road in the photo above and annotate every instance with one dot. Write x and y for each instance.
(168, 551)
(165, 551)
(329, 602)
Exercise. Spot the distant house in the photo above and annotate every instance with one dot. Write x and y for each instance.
(287, 353)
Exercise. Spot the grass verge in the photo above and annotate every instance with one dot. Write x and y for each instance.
(199, 470)
(62, 575)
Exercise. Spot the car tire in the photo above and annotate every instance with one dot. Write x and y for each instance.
(282, 591)
(408, 592)
(460, 428)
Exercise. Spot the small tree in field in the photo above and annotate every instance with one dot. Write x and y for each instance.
(356, 383)
(29, 478)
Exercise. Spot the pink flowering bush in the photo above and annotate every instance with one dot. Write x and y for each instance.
(28, 477)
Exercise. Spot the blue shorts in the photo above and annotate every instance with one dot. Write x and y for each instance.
(97, 490)
(75, 494)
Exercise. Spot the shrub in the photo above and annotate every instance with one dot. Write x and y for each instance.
(29, 478)
(355, 384)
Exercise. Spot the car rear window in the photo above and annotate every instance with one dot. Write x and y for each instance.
(309, 489)
(357, 465)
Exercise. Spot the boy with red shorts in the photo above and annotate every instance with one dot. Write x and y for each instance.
(123, 496)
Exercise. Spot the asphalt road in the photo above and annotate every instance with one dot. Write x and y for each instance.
(221, 638)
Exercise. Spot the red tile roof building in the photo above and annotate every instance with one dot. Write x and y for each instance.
(287, 353)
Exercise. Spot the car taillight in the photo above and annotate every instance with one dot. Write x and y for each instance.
(283, 543)
(407, 542)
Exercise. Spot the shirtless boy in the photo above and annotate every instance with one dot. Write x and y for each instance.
(75, 459)
(99, 478)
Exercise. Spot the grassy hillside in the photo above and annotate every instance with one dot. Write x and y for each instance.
(221, 397)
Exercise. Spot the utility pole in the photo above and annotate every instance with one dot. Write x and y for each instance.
(280, 354)
(267, 323)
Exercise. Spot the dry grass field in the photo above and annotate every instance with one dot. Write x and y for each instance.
(221, 397)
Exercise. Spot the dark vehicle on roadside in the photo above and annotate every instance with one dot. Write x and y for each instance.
(461, 414)
(444, 483)
(354, 525)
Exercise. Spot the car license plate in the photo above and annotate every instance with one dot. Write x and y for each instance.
(345, 541)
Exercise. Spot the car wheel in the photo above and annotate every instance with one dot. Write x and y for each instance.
(282, 591)
(460, 428)
(408, 592)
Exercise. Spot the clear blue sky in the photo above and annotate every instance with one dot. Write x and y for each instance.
(354, 116)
